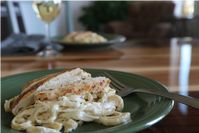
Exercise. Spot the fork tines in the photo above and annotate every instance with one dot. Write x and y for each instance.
(115, 83)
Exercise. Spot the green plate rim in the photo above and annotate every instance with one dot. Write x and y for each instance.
(148, 121)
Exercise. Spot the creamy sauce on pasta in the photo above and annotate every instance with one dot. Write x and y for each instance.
(71, 110)
(71, 107)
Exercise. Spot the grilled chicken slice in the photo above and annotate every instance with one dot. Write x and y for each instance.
(55, 85)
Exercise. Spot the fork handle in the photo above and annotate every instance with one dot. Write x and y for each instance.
(193, 102)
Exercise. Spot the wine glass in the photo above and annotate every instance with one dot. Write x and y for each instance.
(47, 11)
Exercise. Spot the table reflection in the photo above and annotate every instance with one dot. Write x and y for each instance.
(184, 49)
(184, 71)
(174, 52)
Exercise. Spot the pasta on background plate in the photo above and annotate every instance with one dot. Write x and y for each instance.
(83, 37)
(64, 101)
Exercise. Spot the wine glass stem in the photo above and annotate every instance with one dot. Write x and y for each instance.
(47, 28)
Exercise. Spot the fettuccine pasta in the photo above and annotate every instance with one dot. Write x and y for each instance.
(70, 110)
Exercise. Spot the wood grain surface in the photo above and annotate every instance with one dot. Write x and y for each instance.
(174, 63)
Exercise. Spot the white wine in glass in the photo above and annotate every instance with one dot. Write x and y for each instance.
(47, 11)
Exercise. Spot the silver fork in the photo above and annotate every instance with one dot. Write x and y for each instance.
(124, 90)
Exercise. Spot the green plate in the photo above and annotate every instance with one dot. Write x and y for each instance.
(112, 39)
(145, 109)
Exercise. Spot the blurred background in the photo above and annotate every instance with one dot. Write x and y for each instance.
(133, 19)
(157, 39)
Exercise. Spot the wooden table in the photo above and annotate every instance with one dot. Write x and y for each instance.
(175, 63)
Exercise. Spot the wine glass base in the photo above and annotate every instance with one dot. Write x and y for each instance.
(48, 53)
